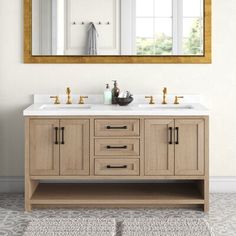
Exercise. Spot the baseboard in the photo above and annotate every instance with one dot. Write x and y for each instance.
(221, 184)
(11, 184)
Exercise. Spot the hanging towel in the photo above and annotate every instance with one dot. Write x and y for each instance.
(92, 39)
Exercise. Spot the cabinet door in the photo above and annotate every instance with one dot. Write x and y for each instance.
(159, 147)
(44, 150)
(189, 147)
(74, 148)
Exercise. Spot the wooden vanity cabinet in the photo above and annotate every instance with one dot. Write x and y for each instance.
(59, 147)
(189, 147)
(174, 147)
(159, 148)
(74, 150)
(150, 149)
(43, 148)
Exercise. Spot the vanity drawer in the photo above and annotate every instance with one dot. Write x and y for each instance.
(117, 127)
(116, 147)
(116, 167)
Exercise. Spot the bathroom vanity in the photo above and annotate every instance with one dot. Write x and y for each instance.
(109, 156)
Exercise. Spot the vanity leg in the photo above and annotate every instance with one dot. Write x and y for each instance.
(30, 187)
(206, 195)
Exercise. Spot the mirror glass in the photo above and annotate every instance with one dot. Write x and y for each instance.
(117, 27)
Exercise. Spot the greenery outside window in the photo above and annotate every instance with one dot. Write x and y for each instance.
(169, 27)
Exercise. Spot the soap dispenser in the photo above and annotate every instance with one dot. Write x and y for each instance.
(107, 95)
(115, 92)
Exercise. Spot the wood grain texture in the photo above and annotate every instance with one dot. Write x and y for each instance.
(190, 152)
(43, 152)
(131, 127)
(107, 178)
(196, 129)
(27, 167)
(118, 147)
(74, 153)
(131, 167)
(159, 154)
(112, 194)
(206, 179)
(29, 58)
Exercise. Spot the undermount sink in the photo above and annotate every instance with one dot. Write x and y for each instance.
(166, 107)
(65, 107)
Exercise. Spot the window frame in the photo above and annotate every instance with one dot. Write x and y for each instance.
(177, 27)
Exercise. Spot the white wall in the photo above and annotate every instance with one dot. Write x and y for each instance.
(92, 11)
(216, 82)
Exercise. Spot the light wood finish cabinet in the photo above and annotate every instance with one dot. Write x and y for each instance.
(55, 143)
(117, 148)
(190, 149)
(116, 127)
(159, 148)
(117, 167)
(174, 147)
(74, 150)
(44, 147)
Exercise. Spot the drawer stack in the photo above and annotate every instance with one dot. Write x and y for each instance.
(117, 147)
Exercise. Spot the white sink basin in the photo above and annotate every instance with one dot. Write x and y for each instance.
(165, 107)
(65, 107)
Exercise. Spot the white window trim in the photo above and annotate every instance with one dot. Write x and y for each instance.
(177, 26)
(128, 27)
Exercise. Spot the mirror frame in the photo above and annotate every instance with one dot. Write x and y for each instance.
(29, 58)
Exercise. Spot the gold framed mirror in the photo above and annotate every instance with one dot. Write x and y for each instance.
(128, 31)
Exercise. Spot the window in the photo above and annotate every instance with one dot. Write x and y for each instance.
(169, 27)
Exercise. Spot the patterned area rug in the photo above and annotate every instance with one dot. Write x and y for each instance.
(165, 227)
(71, 227)
(127, 227)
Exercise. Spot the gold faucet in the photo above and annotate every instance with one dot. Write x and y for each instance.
(164, 96)
(81, 99)
(177, 99)
(57, 100)
(68, 92)
(151, 102)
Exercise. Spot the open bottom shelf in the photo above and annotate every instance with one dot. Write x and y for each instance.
(116, 195)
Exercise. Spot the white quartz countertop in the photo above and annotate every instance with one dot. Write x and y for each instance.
(43, 107)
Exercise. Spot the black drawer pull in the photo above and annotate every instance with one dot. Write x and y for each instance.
(177, 135)
(62, 135)
(171, 130)
(114, 147)
(56, 135)
(118, 127)
(116, 167)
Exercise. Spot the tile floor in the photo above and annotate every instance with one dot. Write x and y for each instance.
(222, 214)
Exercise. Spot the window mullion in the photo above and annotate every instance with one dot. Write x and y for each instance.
(180, 26)
(154, 27)
(177, 27)
(174, 27)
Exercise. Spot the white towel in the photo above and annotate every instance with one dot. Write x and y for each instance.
(92, 39)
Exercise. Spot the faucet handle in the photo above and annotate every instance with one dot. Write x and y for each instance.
(164, 95)
(151, 101)
(176, 102)
(81, 99)
(57, 100)
(68, 91)
(164, 90)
